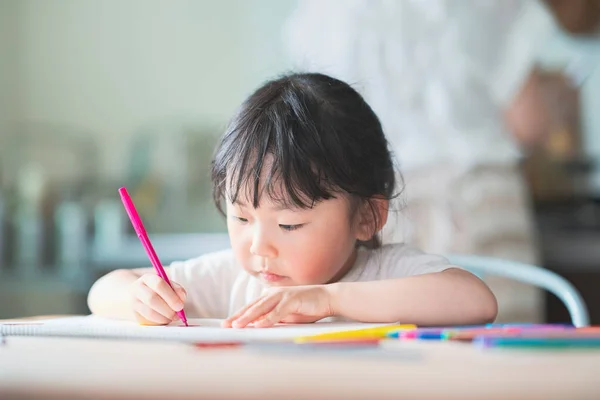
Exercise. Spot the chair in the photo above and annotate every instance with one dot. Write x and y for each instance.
(530, 274)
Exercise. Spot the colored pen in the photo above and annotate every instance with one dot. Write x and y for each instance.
(349, 343)
(469, 334)
(421, 334)
(544, 334)
(364, 341)
(530, 326)
(138, 226)
(428, 332)
(368, 333)
(540, 343)
(218, 345)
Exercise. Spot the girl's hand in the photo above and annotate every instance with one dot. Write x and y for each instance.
(154, 302)
(291, 304)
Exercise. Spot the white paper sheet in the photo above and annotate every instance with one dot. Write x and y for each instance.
(203, 330)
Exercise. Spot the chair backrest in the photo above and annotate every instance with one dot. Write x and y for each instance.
(532, 275)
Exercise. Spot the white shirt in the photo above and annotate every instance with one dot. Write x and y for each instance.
(438, 73)
(217, 286)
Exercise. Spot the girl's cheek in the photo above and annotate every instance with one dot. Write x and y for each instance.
(308, 268)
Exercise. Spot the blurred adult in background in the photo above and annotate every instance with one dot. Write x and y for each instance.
(461, 100)
(576, 17)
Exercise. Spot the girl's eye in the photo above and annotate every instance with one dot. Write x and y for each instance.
(291, 227)
(241, 220)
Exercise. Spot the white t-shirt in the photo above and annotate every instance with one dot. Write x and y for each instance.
(217, 286)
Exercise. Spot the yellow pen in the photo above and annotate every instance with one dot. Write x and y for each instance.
(373, 333)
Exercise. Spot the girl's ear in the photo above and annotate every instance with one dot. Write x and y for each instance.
(373, 216)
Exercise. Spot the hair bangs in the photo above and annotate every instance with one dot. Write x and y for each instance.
(264, 157)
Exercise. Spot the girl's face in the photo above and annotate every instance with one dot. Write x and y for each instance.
(285, 247)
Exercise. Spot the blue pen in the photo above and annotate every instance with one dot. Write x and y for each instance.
(432, 335)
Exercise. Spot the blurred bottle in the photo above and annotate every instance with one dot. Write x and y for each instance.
(43, 159)
(7, 230)
(3, 222)
(29, 219)
(71, 236)
(2, 232)
(109, 225)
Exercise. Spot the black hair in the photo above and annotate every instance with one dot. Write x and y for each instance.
(324, 140)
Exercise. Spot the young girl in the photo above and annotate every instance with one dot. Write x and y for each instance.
(304, 177)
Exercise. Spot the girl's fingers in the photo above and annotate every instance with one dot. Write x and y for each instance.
(180, 292)
(298, 319)
(162, 288)
(256, 311)
(228, 322)
(147, 316)
(279, 312)
(154, 301)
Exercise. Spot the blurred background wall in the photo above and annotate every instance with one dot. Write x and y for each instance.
(98, 95)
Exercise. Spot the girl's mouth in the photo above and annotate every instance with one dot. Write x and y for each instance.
(270, 277)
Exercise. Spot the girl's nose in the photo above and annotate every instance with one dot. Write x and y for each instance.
(261, 246)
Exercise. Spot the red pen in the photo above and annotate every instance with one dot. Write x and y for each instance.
(138, 226)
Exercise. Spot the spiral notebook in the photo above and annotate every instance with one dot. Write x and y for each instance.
(203, 330)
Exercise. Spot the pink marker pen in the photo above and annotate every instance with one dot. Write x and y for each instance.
(138, 226)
